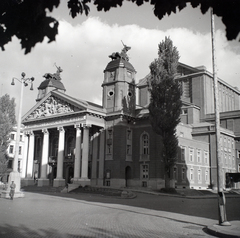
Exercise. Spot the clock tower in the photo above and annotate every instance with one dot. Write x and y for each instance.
(119, 84)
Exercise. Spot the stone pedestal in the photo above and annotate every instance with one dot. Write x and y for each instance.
(43, 182)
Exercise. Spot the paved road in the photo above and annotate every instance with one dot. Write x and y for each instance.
(85, 215)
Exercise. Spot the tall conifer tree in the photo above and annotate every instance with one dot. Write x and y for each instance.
(165, 104)
(7, 121)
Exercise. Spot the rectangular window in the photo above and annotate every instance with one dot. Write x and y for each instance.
(21, 137)
(129, 151)
(145, 144)
(11, 149)
(191, 154)
(183, 153)
(225, 157)
(183, 174)
(206, 157)
(109, 141)
(20, 150)
(109, 134)
(199, 175)
(109, 149)
(206, 175)
(175, 173)
(191, 174)
(145, 171)
(199, 156)
(12, 136)
(129, 134)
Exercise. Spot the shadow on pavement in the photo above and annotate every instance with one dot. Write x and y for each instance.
(201, 207)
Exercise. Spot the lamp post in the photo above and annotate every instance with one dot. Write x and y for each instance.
(15, 175)
(222, 217)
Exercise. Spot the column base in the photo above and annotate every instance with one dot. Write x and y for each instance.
(43, 182)
(27, 182)
(59, 183)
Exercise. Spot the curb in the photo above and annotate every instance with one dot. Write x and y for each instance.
(232, 231)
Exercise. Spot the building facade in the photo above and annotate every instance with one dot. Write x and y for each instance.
(113, 144)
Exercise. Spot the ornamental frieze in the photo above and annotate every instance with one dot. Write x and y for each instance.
(51, 106)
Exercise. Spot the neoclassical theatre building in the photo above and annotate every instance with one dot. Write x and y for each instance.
(72, 140)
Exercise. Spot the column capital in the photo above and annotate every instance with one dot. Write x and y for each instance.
(30, 133)
(45, 131)
(78, 126)
(86, 126)
(61, 129)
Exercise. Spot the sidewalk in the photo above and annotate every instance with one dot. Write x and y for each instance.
(213, 229)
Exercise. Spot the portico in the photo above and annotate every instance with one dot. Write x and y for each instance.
(58, 132)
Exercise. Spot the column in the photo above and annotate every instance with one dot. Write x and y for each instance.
(25, 154)
(59, 181)
(95, 143)
(85, 152)
(30, 155)
(44, 181)
(101, 158)
(77, 162)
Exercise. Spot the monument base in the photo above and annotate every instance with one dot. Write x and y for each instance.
(13, 177)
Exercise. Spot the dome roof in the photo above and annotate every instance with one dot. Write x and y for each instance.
(52, 83)
(116, 63)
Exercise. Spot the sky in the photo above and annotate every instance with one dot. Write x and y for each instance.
(84, 43)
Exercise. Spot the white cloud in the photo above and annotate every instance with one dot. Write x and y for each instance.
(82, 52)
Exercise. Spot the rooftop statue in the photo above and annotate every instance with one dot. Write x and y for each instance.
(122, 55)
(56, 75)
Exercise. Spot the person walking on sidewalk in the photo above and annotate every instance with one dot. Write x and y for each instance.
(12, 190)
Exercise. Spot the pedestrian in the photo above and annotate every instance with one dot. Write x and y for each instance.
(12, 190)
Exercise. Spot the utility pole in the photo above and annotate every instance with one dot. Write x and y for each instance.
(222, 218)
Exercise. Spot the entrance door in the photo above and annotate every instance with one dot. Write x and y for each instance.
(70, 174)
(128, 173)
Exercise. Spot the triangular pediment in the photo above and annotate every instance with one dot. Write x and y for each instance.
(55, 104)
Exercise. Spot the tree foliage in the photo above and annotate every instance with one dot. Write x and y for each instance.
(7, 121)
(165, 104)
(29, 22)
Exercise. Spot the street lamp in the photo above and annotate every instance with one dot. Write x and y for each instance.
(15, 175)
(222, 217)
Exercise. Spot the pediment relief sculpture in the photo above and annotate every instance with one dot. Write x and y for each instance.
(51, 106)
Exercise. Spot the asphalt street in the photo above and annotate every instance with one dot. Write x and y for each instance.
(91, 215)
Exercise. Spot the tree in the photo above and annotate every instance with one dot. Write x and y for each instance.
(7, 121)
(165, 102)
(28, 20)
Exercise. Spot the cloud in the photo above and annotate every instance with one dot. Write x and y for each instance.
(82, 52)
